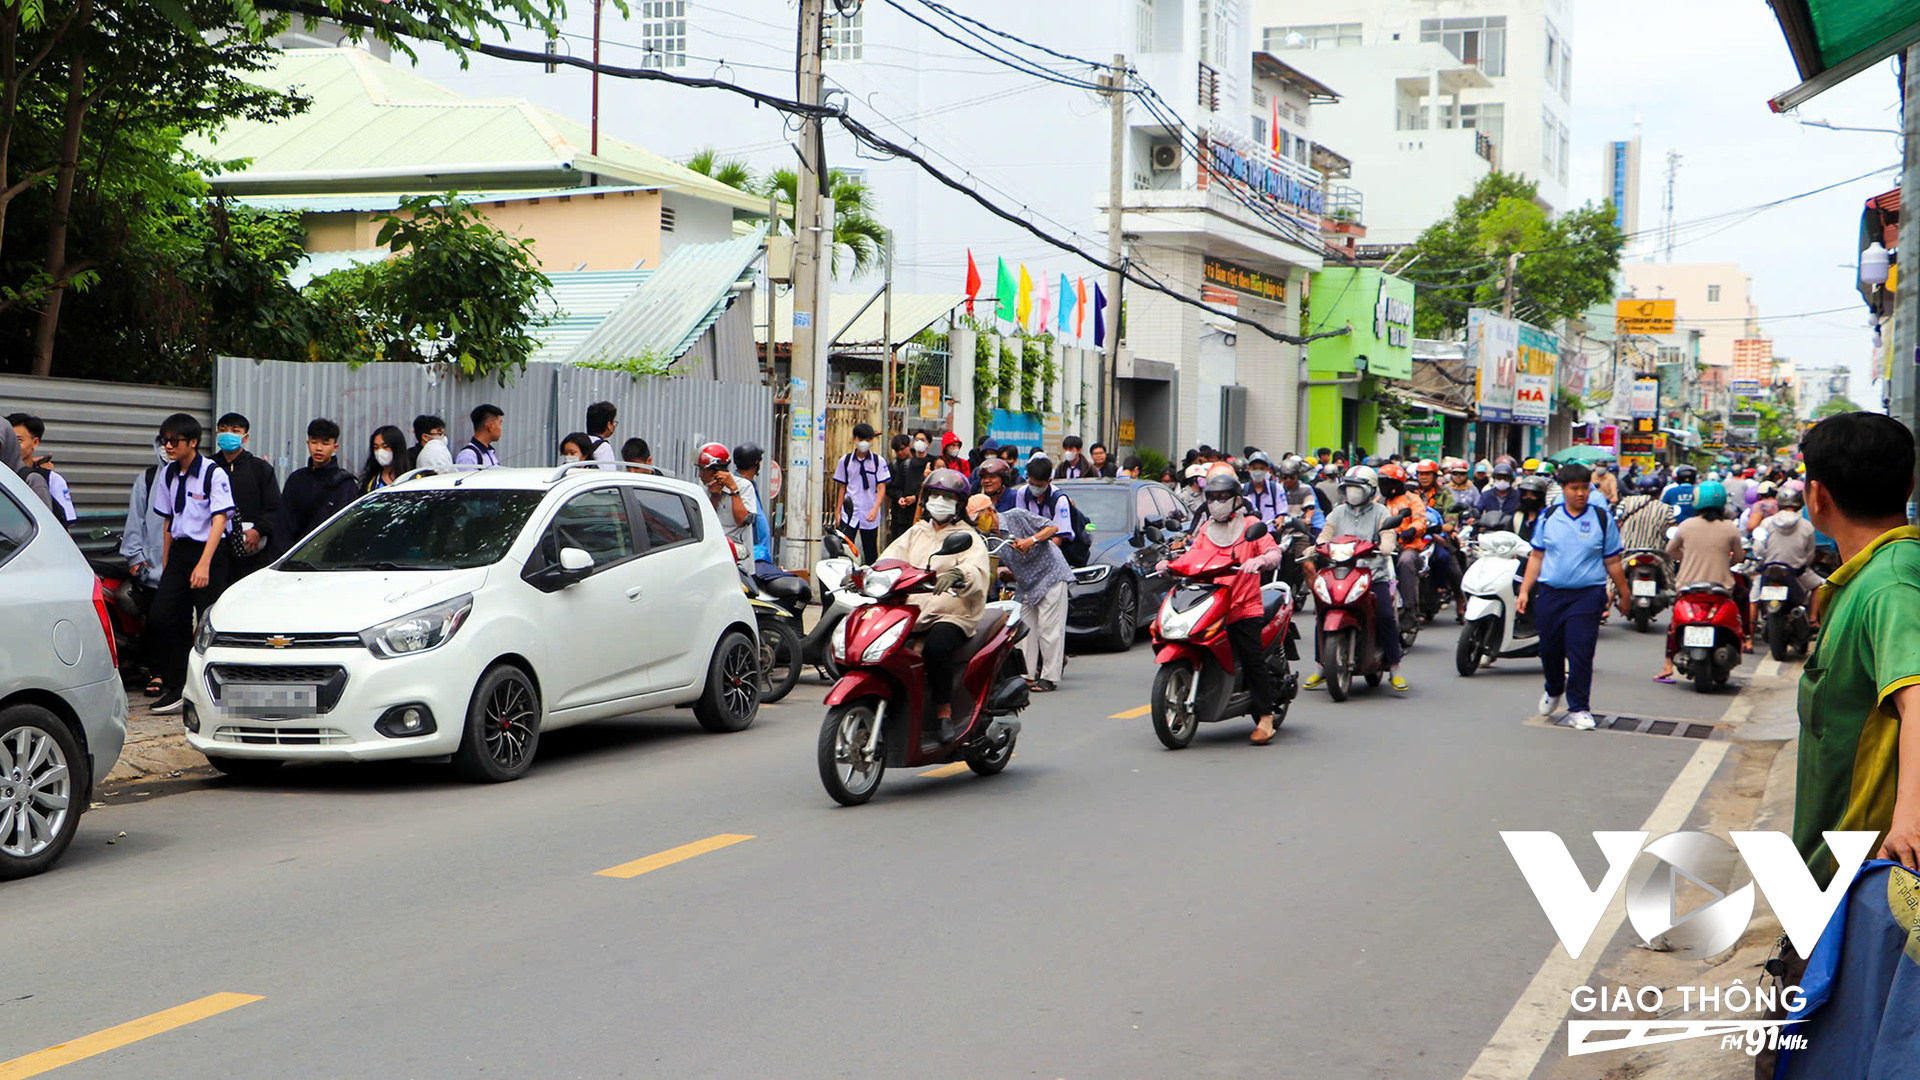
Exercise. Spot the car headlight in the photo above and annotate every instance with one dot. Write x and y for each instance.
(1177, 625)
(838, 642)
(885, 643)
(878, 583)
(203, 637)
(1088, 575)
(1320, 590)
(426, 629)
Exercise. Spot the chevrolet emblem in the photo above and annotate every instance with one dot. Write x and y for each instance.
(279, 642)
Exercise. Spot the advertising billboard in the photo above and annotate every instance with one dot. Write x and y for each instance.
(1752, 365)
(1645, 402)
(1539, 353)
(1493, 348)
(1643, 316)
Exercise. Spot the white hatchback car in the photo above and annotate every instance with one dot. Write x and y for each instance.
(463, 614)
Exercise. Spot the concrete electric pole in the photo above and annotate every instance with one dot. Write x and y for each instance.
(1116, 81)
(1906, 294)
(805, 468)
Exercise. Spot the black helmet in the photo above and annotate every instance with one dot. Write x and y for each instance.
(1533, 483)
(748, 456)
(1686, 474)
(1221, 482)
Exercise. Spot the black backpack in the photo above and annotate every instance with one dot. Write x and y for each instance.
(1079, 549)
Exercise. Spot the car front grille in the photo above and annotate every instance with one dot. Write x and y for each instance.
(225, 639)
(330, 678)
(267, 736)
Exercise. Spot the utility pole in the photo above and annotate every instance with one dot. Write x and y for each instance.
(804, 486)
(1673, 170)
(886, 347)
(594, 139)
(1116, 80)
(1906, 297)
(1510, 285)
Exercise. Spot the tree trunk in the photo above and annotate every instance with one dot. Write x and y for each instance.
(76, 116)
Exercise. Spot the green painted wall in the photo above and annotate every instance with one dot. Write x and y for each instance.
(1355, 296)
(1323, 419)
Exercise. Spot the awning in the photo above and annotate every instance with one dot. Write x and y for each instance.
(1431, 405)
(1834, 40)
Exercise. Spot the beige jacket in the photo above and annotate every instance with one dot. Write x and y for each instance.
(962, 608)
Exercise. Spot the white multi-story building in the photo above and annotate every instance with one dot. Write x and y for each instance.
(1523, 47)
(1036, 147)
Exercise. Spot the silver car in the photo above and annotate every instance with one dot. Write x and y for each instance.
(63, 712)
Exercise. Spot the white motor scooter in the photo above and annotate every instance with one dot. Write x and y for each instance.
(1493, 628)
(837, 601)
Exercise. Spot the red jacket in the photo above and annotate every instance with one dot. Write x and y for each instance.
(1243, 589)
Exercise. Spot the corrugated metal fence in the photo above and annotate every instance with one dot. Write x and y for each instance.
(543, 404)
(100, 434)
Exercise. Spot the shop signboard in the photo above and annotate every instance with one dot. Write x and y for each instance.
(1533, 379)
(1493, 348)
(1637, 448)
(930, 403)
(1643, 316)
(1743, 429)
(1422, 440)
(1377, 307)
(1644, 404)
(1752, 365)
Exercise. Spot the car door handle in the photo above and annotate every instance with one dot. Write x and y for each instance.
(634, 593)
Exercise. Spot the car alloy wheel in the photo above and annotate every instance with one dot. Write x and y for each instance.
(36, 791)
(741, 670)
(510, 721)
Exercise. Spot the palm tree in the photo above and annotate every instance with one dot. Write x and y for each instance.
(856, 231)
(730, 171)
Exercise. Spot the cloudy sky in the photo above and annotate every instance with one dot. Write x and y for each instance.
(1697, 74)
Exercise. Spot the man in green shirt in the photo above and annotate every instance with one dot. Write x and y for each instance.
(1859, 766)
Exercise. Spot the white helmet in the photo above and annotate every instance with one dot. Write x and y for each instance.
(1363, 475)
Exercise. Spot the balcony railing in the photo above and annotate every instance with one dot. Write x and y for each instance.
(1483, 145)
(1345, 204)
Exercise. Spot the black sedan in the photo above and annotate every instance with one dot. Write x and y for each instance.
(1112, 596)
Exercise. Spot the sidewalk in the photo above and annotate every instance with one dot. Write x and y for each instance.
(156, 748)
(1752, 790)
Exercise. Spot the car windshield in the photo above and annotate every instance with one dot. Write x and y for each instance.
(437, 529)
(1110, 508)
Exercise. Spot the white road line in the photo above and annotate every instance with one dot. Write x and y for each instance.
(1767, 668)
(1522, 1038)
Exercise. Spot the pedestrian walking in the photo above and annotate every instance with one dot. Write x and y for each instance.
(382, 466)
(256, 494)
(29, 430)
(429, 449)
(196, 498)
(142, 539)
(488, 420)
(1041, 580)
(862, 476)
(320, 488)
(576, 447)
(1576, 551)
(602, 418)
(1859, 767)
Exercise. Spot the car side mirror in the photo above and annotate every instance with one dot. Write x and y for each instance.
(574, 566)
(955, 543)
(574, 560)
(1254, 531)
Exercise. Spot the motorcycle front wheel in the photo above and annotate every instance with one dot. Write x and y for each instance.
(849, 774)
(1174, 721)
(1474, 643)
(780, 660)
(1338, 669)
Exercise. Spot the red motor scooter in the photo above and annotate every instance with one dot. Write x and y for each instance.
(1199, 681)
(125, 599)
(1346, 613)
(1711, 633)
(878, 712)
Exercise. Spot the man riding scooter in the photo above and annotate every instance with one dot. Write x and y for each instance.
(1446, 555)
(1361, 514)
(1787, 538)
(1413, 538)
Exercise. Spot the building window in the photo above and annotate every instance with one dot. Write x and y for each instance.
(1323, 36)
(1487, 117)
(1713, 294)
(1566, 71)
(666, 219)
(1481, 42)
(1668, 354)
(1259, 98)
(1260, 131)
(1566, 151)
(845, 36)
(1302, 150)
(1143, 18)
(1549, 144)
(1553, 56)
(663, 33)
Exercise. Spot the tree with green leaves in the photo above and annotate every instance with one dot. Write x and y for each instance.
(856, 231)
(458, 290)
(1566, 264)
(732, 172)
(1835, 405)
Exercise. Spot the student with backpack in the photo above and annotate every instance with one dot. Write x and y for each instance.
(29, 430)
(317, 491)
(863, 477)
(1041, 498)
(196, 498)
(601, 418)
(487, 423)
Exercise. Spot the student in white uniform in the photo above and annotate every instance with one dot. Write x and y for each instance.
(602, 416)
(196, 498)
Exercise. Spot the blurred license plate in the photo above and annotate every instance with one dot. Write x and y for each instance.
(1697, 637)
(289, 698)
(1773, 592)
(1643, 587)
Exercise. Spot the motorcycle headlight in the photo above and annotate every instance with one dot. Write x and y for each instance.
(203, 637)
(422, 631)
(885, 643)
(878, 583)
(838, 642)
(1178, 625)
(1362, 581)
(1342, 552)
(1320, 590)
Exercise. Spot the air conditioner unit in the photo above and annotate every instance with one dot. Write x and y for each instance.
(1166, 157)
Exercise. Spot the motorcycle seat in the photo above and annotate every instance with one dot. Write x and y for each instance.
(990, 623)
(1707, 587)
(790, 587)
(1273, 597)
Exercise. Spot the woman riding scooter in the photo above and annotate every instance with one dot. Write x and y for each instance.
(1361, 515)
(1706, 545)
(1222, 531)
(950, 613)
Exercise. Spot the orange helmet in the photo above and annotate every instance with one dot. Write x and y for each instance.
(1394, 471)
(1427, 465)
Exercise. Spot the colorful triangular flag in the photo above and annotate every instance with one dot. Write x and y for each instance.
(1003, 293)
(1023, 305)
(1099, 318)
(973, 281)
(1080, 307)
(1067, 305)
(1046, 305)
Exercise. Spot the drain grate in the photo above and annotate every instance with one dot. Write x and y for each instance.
(1650, 725)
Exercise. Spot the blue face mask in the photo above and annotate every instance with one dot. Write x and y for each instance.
(227, 441)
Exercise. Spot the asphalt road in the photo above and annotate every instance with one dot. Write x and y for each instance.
(1337, 904)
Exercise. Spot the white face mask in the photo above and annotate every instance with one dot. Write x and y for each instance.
(920, 446)
(1356, 496)
(942, 508)
(569, 459)
(383, 457)
(1071, 455)
(862, 446)
(440, 438)
(1259, 475)
(1220, 509)
(1502, 485)
(1037, 489)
